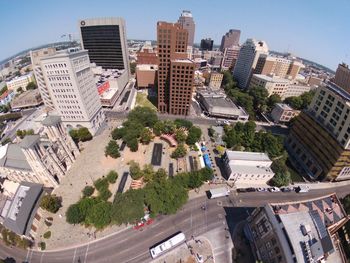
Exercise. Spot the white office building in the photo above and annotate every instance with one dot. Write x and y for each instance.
(247, 167)
(247, 60)
(71, 85)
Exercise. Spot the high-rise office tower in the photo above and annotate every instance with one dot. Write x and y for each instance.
(72, 89)
(207, 44)
(342, 77)
(319, 141)
(175, 72)
(186, 21)
(35, 57)
(279, 66)
(105, 39)
(231, 38)
(247, 59)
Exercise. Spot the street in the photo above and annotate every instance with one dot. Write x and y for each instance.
(133, 246)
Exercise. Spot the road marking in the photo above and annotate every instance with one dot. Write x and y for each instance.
(75, 252)
(41, 259)
(138, 256)
(87, 249)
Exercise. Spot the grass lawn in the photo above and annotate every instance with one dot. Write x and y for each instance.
(142, 100)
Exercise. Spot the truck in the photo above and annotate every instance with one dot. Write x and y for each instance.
(218, 192)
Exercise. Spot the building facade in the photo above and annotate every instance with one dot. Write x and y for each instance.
(283, 113)
(273, 84)
(19, 82)
(342, 77)
(43, 159)
(7, 97)
(230, 57)
(207, 44)
(175, 71)
(186, 21)
(278, 66)
(215, 80)
(73, 91)
(35, 57)
(147, 57)
(146, 75)
(248, 56)
(231, 38)
(105, 39)
(319, 140)
(247, 167)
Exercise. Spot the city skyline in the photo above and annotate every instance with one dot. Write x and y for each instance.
(306, 32)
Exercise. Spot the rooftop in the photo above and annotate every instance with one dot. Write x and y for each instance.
(250, 169)
(146, 67)
(274, 79)
(12, 156)
(22, 208)
(51, 120)
(247, 156)
(284, 106)
(29, 140)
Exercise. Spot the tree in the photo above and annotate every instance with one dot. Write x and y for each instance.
(119, 133)
(160, 175)
(133, 67)
(88, 190)
(194, 135)
(146, 136)
(133, 145)
(112, 149)
(282, 176)
(183, 123)
(74, 134)
(143, 115)
(169, 127)
(135, 170)
(3, 90)
(20, 90)
(31, 85)
(47, 234)
(112, 177)
(100, 215)
(148, 172)
(74, 215)
(180, 136)
(179, 152)
(259, 95)
(220, 149)
(211, 132)
(272, 100)
(51, 203)
(158, 128)
(84, 134)
(294, 102)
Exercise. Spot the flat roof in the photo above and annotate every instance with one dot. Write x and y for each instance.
(250, 169)
(271, 79)
(109, 93)
(284, 106)
(13, 157)
(186, 60)
(250, 156)
(51, 120)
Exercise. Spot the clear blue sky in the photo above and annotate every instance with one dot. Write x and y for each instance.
(318, 30)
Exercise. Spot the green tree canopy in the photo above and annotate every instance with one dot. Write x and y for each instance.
(146, 136)
(112, 149)
(143, 115)
(135, 170)
(179, 152)
(100, 215)
(31, 85)
(183, 123)
(88, 190)
(180, 136)
(51, 203)
(194, 135)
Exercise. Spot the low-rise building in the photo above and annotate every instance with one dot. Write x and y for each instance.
(146, 75)
(283, 113)
(7, 97)
(217, 104)
(20, 82)
(297, 232)
(295, 89)
(28, 99)
(247, 167)
(43, 159)
(215, 80)
(273, 84)
(21, 213)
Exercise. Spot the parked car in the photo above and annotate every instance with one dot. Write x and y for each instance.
(287, 189)
(261, 189)
(241, 190)
(251, 189)
(302, 189)
(274, 189)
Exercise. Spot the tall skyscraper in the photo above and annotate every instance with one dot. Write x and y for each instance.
(342, 77)
(72, 89)
(35, 57)
(230, 57)
(231, 38)
(207, 44)
(319, 141)
(247, 60)
(186, 21)
(175, 73)
(105, 39)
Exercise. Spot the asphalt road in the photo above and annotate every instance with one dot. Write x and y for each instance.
(133, 246)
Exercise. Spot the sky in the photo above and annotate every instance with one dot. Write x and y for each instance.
(318, 30)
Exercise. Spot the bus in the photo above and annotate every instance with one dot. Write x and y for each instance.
(168, 244)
